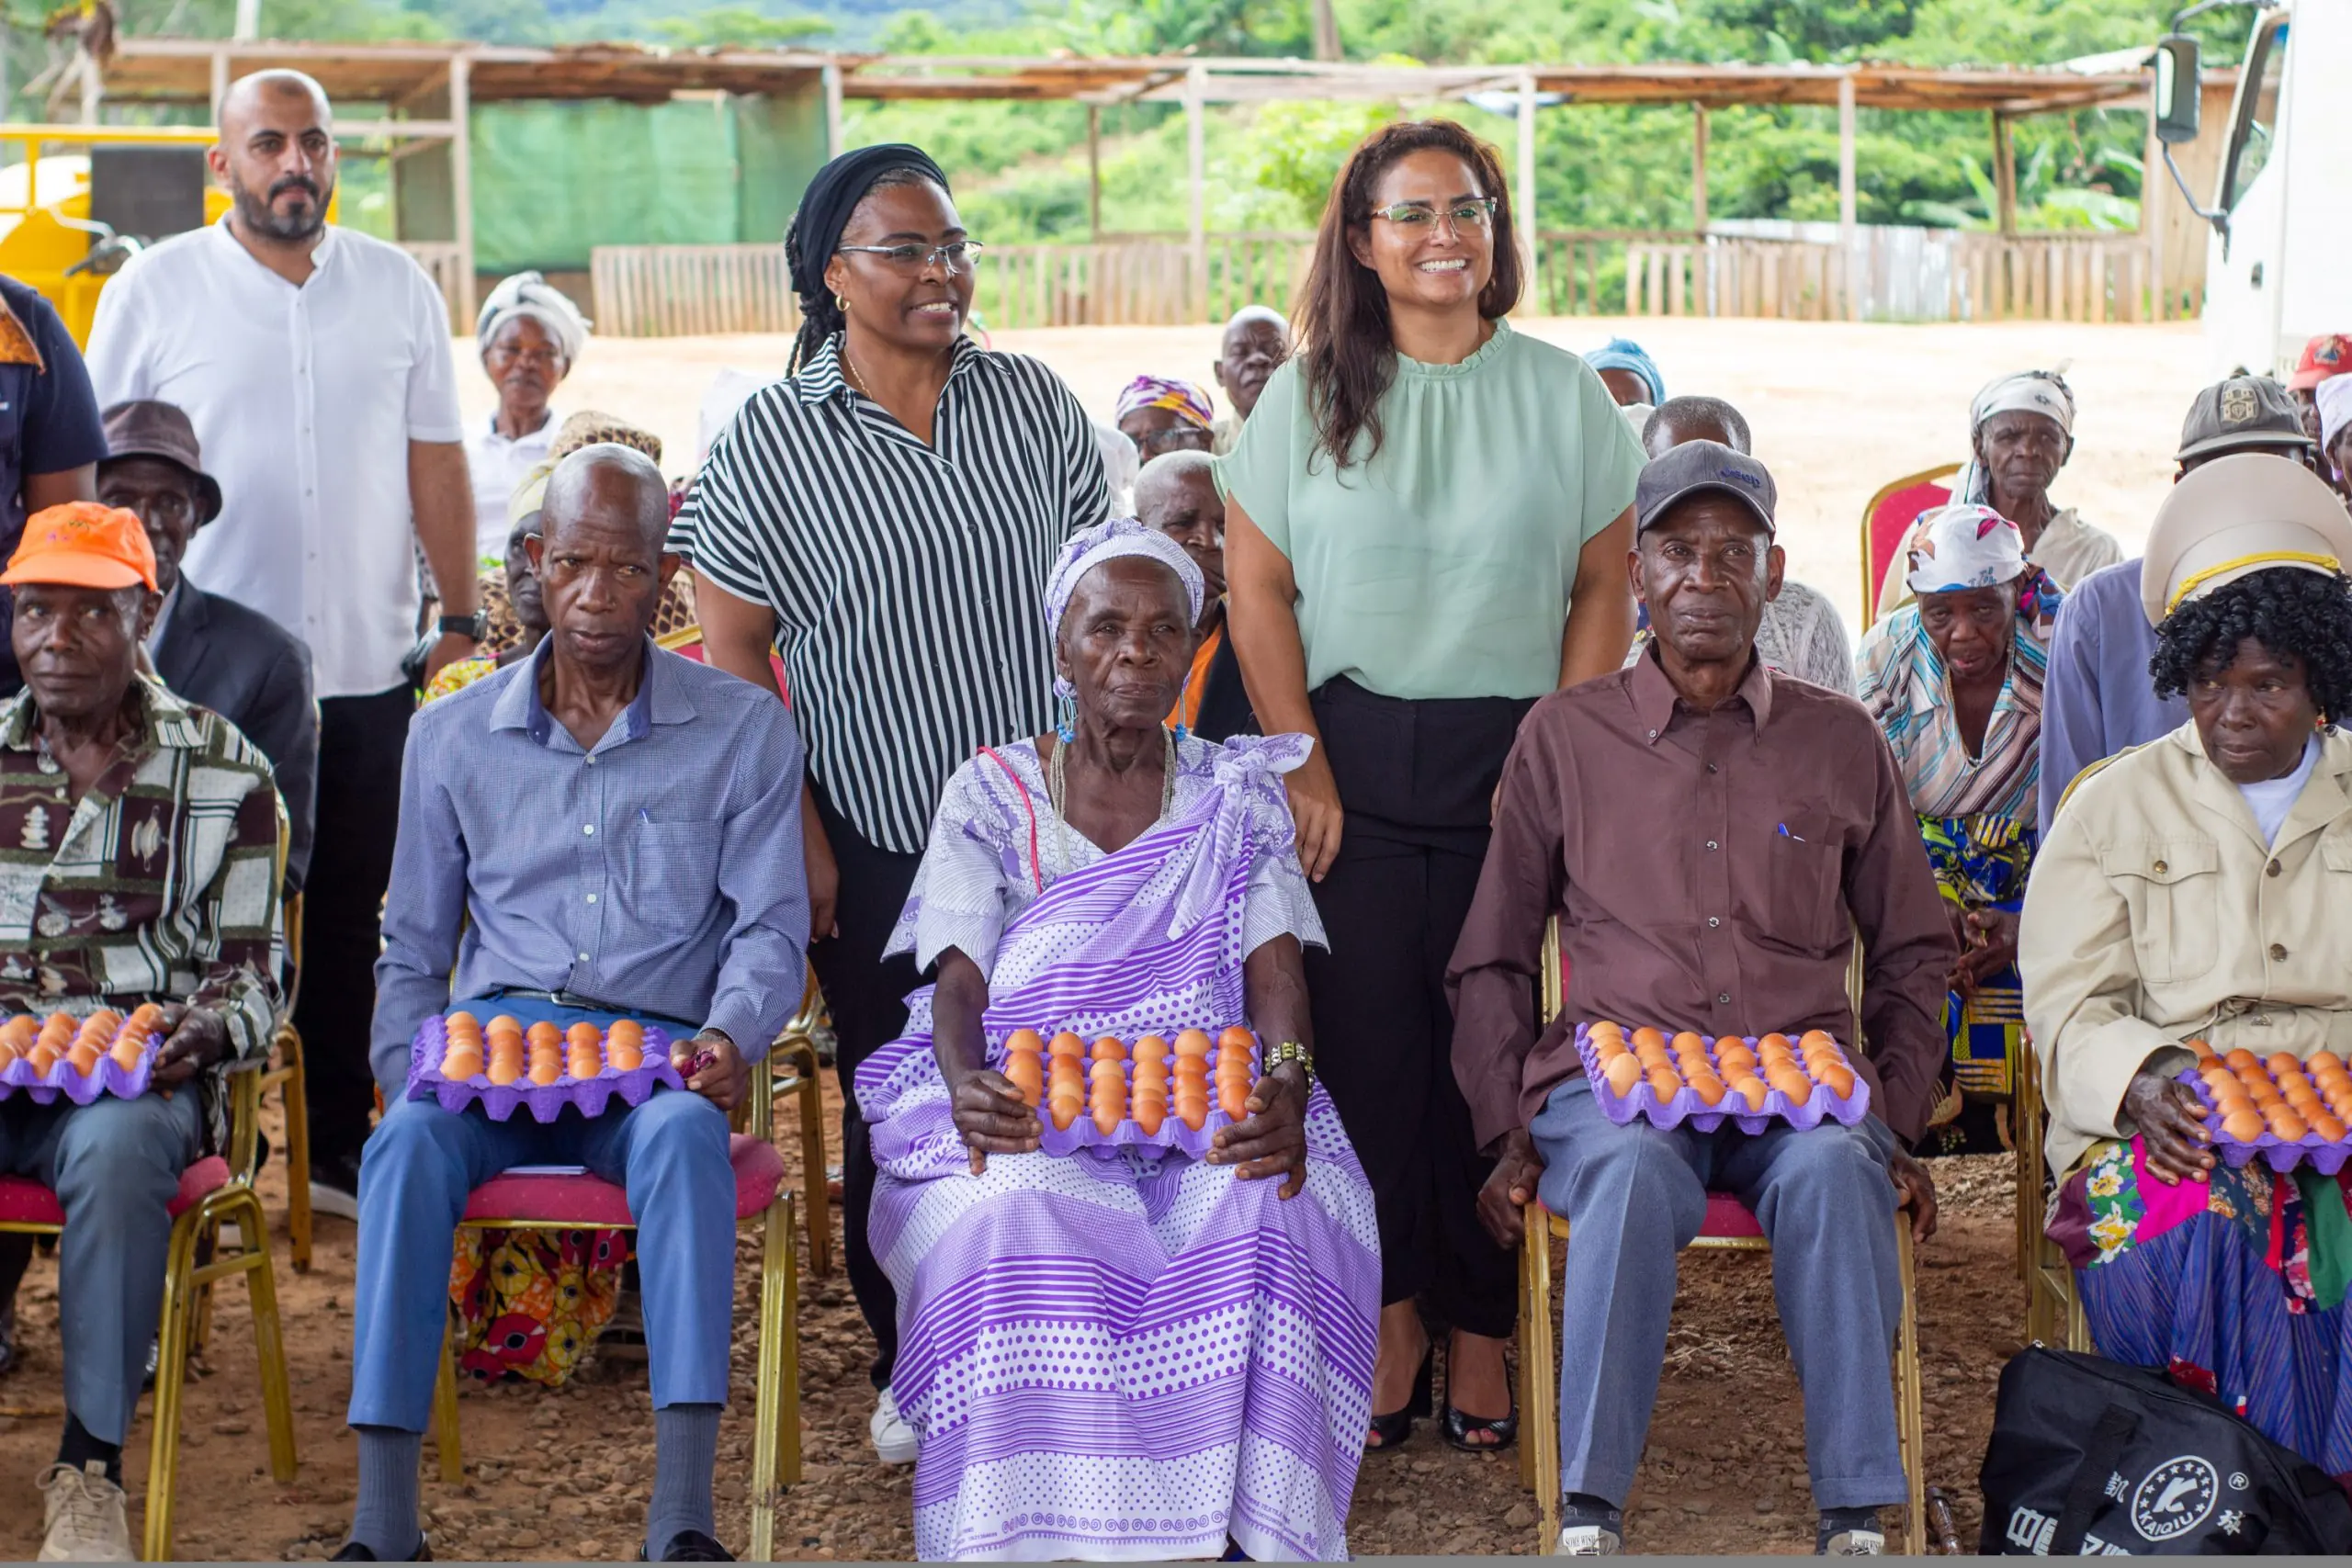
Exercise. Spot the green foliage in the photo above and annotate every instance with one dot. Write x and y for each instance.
(739, 26)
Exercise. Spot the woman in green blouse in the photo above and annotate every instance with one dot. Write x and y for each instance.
(1428, 522)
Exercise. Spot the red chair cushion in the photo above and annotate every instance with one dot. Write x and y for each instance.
(1728, 1219)
(1892, 519)
(26, 1201)
(588, 1201)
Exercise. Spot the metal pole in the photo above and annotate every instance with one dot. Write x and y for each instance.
(462, 179)
(1094, 172)
(1327, 32)
(831, 77)
(248, 23)
(2005, 175)
(1196, 81)
(220, 82)
(1526, 198)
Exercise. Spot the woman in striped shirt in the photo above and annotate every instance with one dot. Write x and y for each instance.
(885, 517)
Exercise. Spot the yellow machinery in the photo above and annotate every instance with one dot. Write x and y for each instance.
(47, 238)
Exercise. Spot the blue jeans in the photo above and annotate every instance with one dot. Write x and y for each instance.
(423, 1162)
(1634, 1195)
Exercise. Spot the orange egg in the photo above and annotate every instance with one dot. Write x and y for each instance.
(147, 1015)
(1066, 1044)
(2262, 1091)
(1108, 1049)
(626, 1028)
(2287, 1125)
(1665, 1083)
(2243, 1127)
(1609, 1050)
(2204, 1052)
(1819, 1037)
(1025, 1040)
(2301, 1100)
(1064, 1109)
(1233, 1099)
(506, 1065)
(1151, 1048)
(543, 1033)
(1191, 1070)
(1193, 1043)
(41, 1057)
(546, 1068)
(1623, 1074)
(1688, 1041)
(82, 1057)
(1601, 1028)
(2284, 1062)
(2329, 1126)
(1027, 1075)
(2241, 1059)
(8, 1053)
(1735, 1057)
(1709, 1090)
(625, 1056)
(2319, 1062)
(1234, 1037)
(460, 1065)
(1106, 1072)
(1150, 1115)
(462, 1020)
(1647, 1036)
(583, 1033)
(1794, 1084)
(583, 1063)
(1750, 1089)
(1108, 1111)
(1769, 1041)
(1651, 1056)
(1838, 1081)
(21, 1029)
(1192, 1111)
(2233, 1102)
(504, 1024)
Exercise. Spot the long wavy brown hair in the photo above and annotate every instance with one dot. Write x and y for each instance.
(1342, 316)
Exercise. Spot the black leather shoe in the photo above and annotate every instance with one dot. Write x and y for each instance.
(353, 1553)
(691, 1546)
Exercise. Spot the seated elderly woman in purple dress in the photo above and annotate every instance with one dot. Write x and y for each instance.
(1119, 1352)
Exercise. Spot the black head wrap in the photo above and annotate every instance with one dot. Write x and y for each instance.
(833, 195)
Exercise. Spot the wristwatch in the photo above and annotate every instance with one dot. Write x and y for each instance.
(474, 627)
(1287, 1052)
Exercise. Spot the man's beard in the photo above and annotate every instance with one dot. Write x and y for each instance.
(258, 213)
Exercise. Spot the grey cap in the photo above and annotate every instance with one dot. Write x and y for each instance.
(2245, 413)
(1696, 467)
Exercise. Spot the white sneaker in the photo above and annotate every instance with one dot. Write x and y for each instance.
(83, 1517)
(893, 1438)
(1855, 1543)
(1588, 1540)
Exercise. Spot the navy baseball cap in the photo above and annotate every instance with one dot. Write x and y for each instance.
(1697, 467)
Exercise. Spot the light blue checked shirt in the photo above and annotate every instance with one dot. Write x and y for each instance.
(658, 870)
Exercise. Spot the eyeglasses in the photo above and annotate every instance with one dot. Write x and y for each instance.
(956, 256)
(1413, 217)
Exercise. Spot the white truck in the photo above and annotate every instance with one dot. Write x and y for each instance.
(2278, 266)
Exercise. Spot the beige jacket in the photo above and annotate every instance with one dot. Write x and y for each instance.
(2156, 914)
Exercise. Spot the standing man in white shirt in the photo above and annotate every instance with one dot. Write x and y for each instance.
(315, 364)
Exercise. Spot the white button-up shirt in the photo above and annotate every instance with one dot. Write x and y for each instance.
(498, 468)
(305, 401)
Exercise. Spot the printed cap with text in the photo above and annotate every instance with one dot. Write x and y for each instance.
(1699, 467)
(83, 545)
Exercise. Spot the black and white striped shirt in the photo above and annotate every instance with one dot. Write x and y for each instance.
(907, 580)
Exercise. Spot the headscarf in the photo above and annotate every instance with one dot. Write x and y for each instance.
(2333, 397)
(529, 294)
(1955, 548)
(2044, 393)
(1183, 399)
(834, 194)
(1624, 354)
(1266, 314)
(1108, 541)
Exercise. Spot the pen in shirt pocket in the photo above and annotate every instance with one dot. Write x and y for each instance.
(1791, 837)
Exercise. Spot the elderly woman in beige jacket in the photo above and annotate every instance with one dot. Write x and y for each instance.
(2200, 887)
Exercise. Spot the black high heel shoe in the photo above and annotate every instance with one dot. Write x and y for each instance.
(1390, 1431)
(1456, 1428)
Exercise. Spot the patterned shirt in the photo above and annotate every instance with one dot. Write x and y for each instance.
(1902, 682)
(159, 885)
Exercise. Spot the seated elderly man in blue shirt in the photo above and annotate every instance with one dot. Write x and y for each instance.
(603, 829)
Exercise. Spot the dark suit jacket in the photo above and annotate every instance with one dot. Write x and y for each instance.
(1225, 704)
(256, 674)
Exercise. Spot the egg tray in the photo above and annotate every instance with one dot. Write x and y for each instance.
(105, 1075)
(1685, 1105)
(545, 1101)
(1083, 1135)
(2282, 1155)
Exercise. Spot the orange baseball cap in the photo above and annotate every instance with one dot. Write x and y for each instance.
(83, 545)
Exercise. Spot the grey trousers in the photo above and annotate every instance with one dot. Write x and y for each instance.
(1634, 1196)
(114, 1165)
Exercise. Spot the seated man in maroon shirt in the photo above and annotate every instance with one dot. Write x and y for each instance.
(1714, 836)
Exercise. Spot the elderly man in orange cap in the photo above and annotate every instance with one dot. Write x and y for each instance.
(138, 864)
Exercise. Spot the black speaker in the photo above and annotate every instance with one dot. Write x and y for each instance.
(149, 192)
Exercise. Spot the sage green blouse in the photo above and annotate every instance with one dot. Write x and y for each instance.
(1442, 567)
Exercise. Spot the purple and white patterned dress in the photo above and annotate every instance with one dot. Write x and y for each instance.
(1104, 1356)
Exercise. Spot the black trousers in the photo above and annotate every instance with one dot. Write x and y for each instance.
(360, 743)
(866, 994)
(1415, 780)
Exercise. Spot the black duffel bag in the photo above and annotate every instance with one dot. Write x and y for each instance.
(2092, 1457)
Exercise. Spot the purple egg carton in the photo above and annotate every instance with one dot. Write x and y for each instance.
(107, 1077)
(2282, 1155)
(545, 1101)
(1686, 1106)
(1083, 1135)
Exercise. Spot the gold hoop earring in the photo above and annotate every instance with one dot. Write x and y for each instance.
(841, 303)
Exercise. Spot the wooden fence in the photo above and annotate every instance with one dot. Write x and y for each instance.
(679, 290)
(446, 265)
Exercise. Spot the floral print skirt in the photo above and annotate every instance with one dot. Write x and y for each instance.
(530, 1303)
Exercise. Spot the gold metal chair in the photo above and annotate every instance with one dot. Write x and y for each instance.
(1728, 1228)
(2053, 1309)
(775, 1443)
(797, 1047)
(212, 1191)
(286, 1074)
